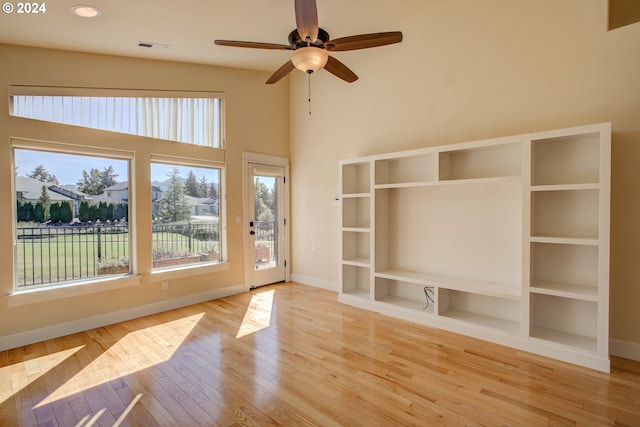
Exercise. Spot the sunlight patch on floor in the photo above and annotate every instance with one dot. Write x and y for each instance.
(14, 378)
(136, 351)
(258, 314)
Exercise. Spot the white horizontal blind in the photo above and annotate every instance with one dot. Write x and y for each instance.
(189, 120)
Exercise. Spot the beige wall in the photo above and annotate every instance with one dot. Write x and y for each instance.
(257, 121)
(469, 70)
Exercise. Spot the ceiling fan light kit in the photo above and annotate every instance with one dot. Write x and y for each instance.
(309, 59)
(310, 45)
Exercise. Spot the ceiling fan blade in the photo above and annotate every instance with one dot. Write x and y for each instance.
(363, 41)
(253, 45)
(281, 72)
(340, 70)
(307, 19)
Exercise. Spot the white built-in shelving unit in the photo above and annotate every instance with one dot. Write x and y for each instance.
(504, 239)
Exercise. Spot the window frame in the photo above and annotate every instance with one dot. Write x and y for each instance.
(75, 141)
(71, 287)
(223, 264)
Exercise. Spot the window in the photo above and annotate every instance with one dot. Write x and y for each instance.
(187, 117)
(186, 214)
(72, 200)
(68, 228)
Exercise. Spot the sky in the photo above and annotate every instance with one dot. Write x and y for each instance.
(68, 167)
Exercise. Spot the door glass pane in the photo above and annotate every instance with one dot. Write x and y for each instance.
(265, 191)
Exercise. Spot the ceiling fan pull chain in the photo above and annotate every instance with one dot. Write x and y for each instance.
(309, 93)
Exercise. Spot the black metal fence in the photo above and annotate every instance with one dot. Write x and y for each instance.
(49, 255)
(266, 241)
(186, 240)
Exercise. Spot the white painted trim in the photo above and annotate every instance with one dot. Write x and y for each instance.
(249, 158)
(265, 159)
(188, 271)
(625, 349)
(54, 331)
(329, 285)
(67, 290)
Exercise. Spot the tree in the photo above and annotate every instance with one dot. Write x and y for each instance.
(261, 198)
(94, 182)
(25, 211)
(203, 187)
(54, 212)
(94, 213)
(38, 212)
(191, 185)
(108, 177)
(213, 191)
(66, 212)
(45, 200)
(42, 174)
(83, 212)
(173, 206)
(121, 211)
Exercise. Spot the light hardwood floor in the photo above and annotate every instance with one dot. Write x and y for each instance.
(291, 354)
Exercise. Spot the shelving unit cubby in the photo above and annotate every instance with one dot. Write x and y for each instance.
(509, 236)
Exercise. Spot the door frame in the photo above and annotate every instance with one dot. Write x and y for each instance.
(249, 252)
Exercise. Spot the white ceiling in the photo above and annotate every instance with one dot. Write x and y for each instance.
(189, 27)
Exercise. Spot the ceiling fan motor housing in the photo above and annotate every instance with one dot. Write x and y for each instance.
(296, 41)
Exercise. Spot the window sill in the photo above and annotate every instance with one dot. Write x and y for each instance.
(32, 296)
(188, 271)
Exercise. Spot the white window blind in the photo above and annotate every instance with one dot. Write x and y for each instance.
(193, 119)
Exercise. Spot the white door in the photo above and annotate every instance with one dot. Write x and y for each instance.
(266, 222)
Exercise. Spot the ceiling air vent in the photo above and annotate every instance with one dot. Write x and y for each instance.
(151, 45)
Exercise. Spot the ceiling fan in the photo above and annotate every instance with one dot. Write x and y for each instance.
(310, 45)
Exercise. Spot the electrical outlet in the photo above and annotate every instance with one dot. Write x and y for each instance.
(165, 284)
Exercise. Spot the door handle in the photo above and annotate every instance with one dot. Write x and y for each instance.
(252, 232)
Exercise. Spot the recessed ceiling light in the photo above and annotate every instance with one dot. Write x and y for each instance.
(85, 11)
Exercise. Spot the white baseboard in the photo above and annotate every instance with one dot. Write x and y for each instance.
(315, 281)
(61, 329)
(625, 349)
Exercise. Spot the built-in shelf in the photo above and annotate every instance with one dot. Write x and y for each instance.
(356, 280)
(481, 162)
(566, 159)
(571, 213)
(356, 247)
(565, 187)
(567, 339)
(504, 239)
(405, 294)
(356, 212)
(355, 178)
(453, 283)
(567, 320)
(470, 181)
(358, 262)
(567, 290)
(411, 168)
(565, 240)
(356, 229)
(481, 310)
